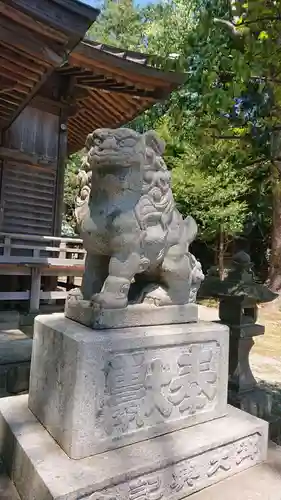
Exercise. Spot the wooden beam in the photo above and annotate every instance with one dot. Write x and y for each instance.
(14, 295)
(19, 156)
(62, 158)
(65, 15)
(105, 99)
(21, 38)
(90, 57)
(28, 98)
(10, 99)
(96, 112)
(7, 108)
(23, 73)
(35, 290)
(147, 94)
(28, 22)
(17, 79)
(22, 60)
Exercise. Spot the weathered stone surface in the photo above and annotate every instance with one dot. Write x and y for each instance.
(168, 467)
(136, 240)
(15, 356)
(132, 315)
(7, 488)
(259, 483)
(98, 390)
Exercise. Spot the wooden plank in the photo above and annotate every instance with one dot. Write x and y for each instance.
(152, 96)
(60, 271)
(35, 290)
(89, 57)
(47, 261)
(22, 73)
(28, 84)
(19, 156)
(22, 59)
(30, 96)
(9, 107)
(38, 49)
(26, 229)
(11, 213)
(118, 109)
(25, 270)
(7, 98)
(43, 248)
(35, 237)
(54, 295)
(14, 295)
(7, 246)
(31, 205)
(67, 16)
(14, 190)
(28, 22)
(27, 225)
(103, 108)
(62, 159)
(21, 39)
(41, 171)
(15, 270)
(19, 91)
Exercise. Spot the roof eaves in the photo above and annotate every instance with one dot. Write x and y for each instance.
(137, 61)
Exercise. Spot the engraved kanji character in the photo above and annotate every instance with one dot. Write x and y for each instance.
(222, 461)
(158, 378)
(247, 449)
(146, 489)
(125, 386)
(195, 384)
(185, 476)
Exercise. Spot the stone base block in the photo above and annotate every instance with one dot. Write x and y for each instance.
(169, 467)
(99, 390)
(15, 356)
(131, 316)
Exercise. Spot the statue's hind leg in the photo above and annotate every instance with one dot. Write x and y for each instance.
(175, 274)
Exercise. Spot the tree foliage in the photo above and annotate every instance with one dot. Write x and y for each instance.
(222, 127)
(119, 24)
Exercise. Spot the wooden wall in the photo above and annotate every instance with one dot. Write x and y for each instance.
(28, 188)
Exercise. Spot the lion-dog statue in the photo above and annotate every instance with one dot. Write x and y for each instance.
(136, 240)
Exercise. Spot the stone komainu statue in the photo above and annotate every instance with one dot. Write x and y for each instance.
(136, 240)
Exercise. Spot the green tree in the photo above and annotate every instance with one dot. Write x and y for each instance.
(219, 124)
(70, 189)
(231, 53)
(119, 24)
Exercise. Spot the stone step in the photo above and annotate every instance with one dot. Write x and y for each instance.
(7, 488)
(170, 467)
(15, 356)
(262, 482)
(9, 320)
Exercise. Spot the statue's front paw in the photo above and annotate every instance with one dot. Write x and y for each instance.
(74, 295)
(157, 296)
(109, 300)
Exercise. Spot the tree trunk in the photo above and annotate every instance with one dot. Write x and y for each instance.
(221, 253)
(275, 255)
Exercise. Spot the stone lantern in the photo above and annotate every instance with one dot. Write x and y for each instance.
(239, 295)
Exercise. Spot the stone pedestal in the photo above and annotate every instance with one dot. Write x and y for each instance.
(98, 390)
(124, 404)
(131, 316)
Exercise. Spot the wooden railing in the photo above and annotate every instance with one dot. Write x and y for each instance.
(38, 256)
